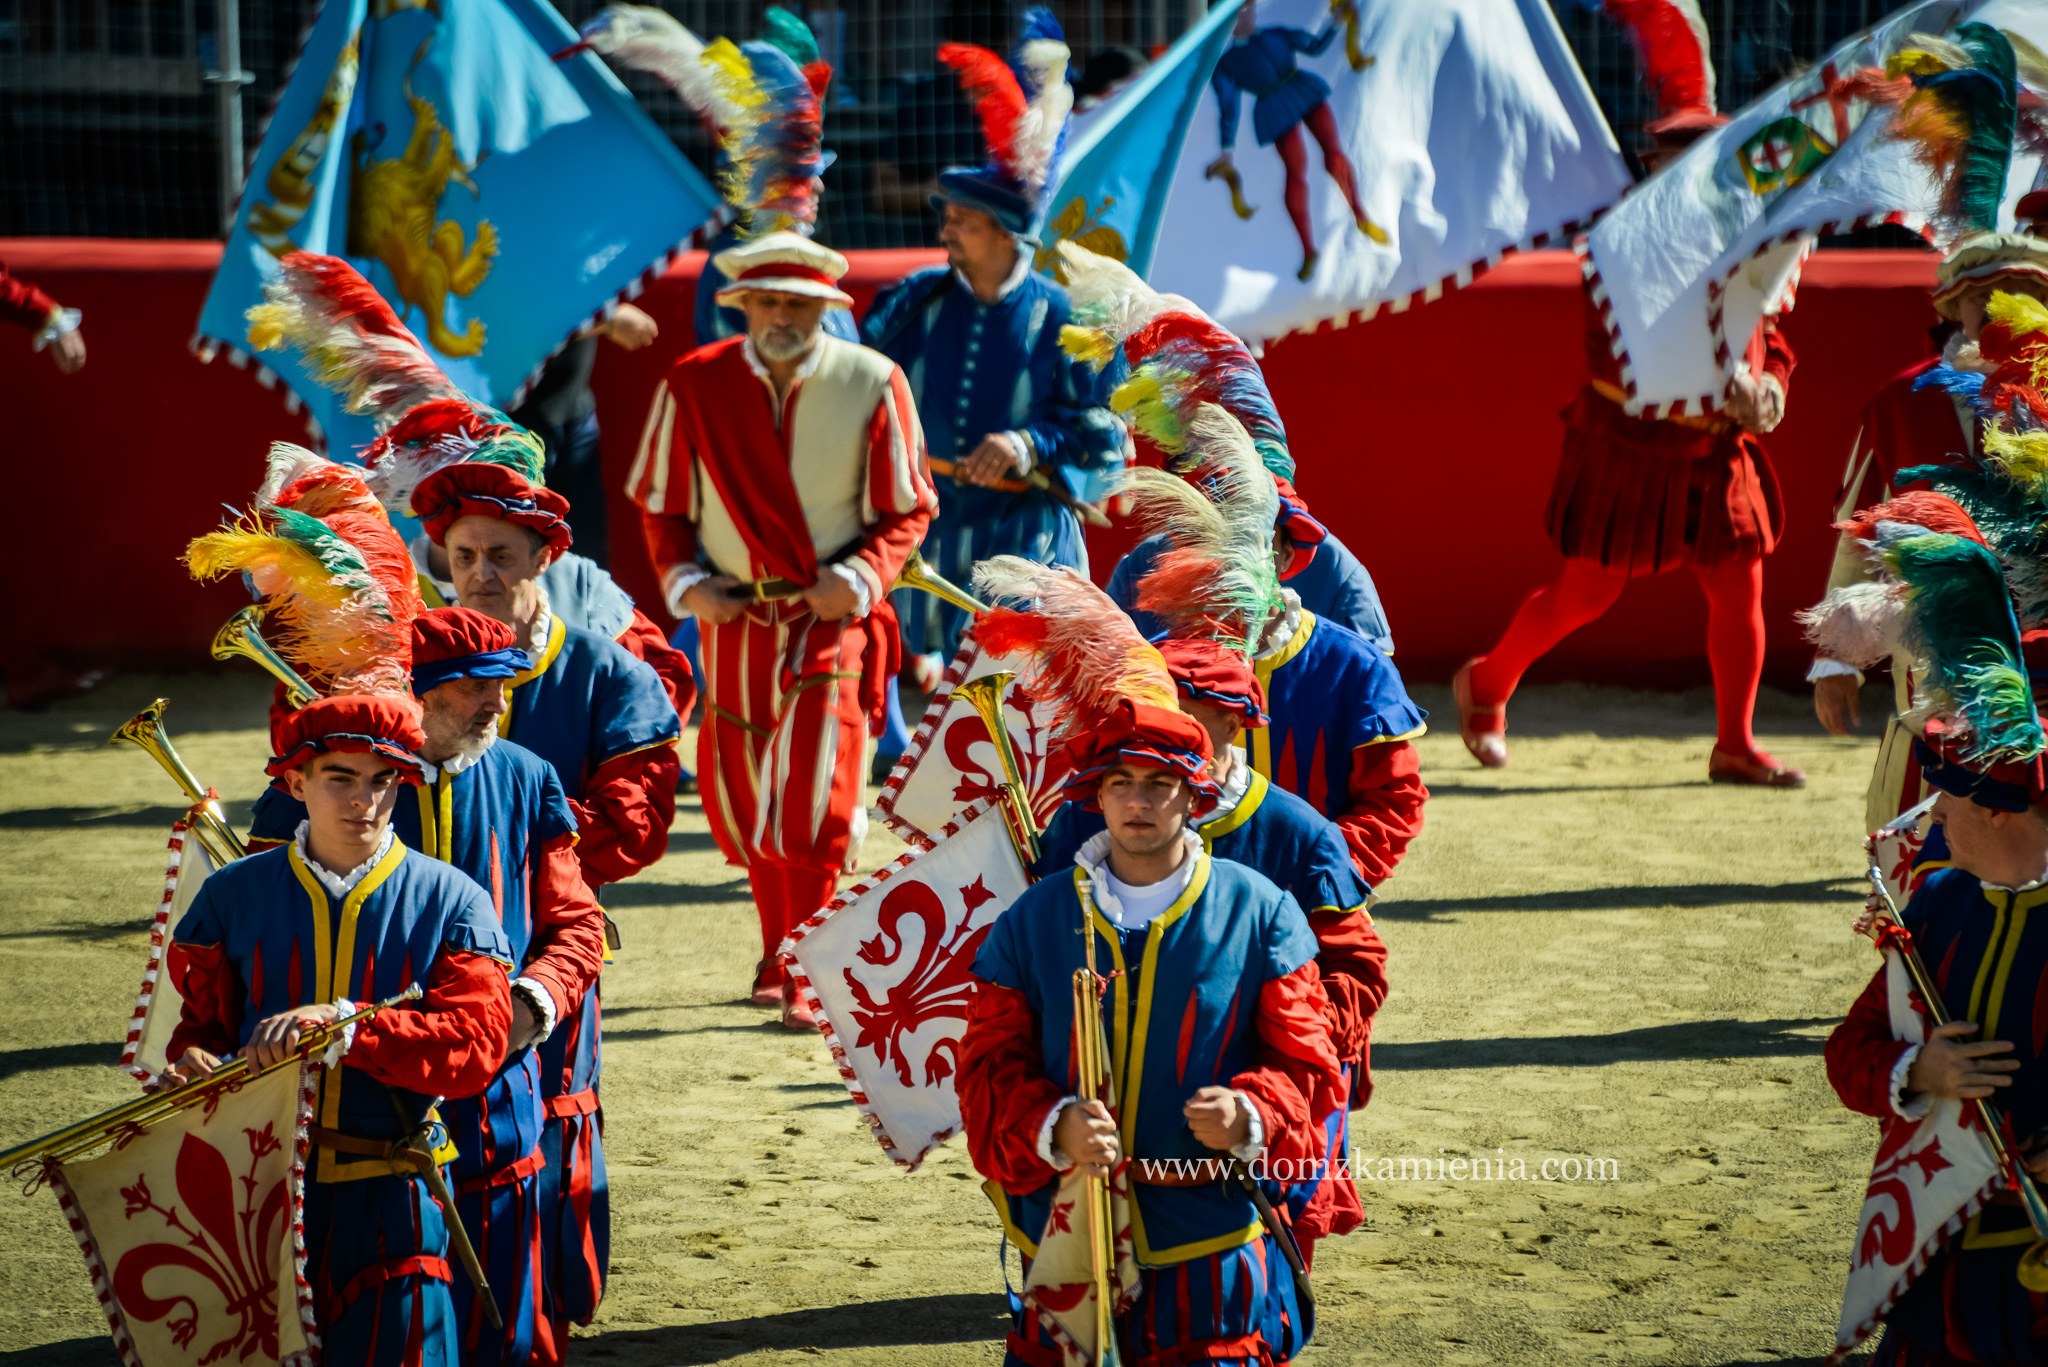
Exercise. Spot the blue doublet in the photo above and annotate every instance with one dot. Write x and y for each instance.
(376, 1244)
(585, 701)
(1328, 691)
(977, 369)
(1265, 66)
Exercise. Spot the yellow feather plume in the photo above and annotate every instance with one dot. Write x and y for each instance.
(1092, 345)
(2021, 456)
(276, 565)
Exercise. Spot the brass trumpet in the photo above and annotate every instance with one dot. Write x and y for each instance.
(243, 635)
(145, 731)
(918, 575)
(66, 1144)
(1092, 1072)
(985, 695)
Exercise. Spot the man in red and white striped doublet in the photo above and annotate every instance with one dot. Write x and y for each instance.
(783, 482)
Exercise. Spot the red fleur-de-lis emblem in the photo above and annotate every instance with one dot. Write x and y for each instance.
(939, 984)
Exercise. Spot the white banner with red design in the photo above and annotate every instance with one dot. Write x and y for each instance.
(887, 967)
(1692, 260)
(951, 762)
(192, 1229)
(158, 1004)
(1930, 1177)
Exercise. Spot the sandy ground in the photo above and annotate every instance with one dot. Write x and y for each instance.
(1594, 954)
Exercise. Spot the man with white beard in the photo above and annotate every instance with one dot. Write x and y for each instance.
(783, 480)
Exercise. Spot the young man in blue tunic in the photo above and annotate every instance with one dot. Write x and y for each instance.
(1018, 431)
(495, 811)
(290, 938)
(1277, 834)
(1217, 1022)
(603, 720)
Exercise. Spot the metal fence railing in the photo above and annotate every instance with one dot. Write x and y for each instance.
(113, 121)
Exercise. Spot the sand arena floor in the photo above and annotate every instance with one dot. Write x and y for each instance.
(1594, 954)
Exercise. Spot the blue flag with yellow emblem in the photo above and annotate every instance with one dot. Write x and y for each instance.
(498, 199)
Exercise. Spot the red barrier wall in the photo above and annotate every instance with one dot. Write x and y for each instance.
(1426, 440)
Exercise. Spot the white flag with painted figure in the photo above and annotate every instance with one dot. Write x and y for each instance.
(1693, 259)
(1290, 163)
(157, 1004)
(192, 1229)
(951, 763)
(887, 965)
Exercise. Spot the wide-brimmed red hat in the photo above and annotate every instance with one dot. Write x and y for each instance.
(477, 489)
(462, 643)
(383, 724)
(1147, 735)
(1205, 671)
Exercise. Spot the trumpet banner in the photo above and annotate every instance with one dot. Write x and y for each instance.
(1060, 1286)
(951, 763)
(192, 1229)
(157, 1004)
(1930, 1176)
(1686, 266)
(887, 967)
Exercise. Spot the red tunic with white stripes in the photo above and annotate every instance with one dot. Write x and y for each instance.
(831, 478)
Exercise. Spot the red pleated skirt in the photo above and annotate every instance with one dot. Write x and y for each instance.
(1639, 496)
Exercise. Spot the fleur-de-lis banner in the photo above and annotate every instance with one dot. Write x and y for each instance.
(1930, 1176)
(951, 763)
(192, 1230)
(887, 966)
(1291, 163)
(497, 198)
(1685, 267)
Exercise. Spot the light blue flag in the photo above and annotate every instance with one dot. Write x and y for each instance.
(1116, 175)
(498, 199)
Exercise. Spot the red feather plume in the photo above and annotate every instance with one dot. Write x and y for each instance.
(1920, 508)
(998, 100)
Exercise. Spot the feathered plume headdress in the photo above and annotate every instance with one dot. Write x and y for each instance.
(1217, 578)
(336, 580)
(322, 307)
(352, 341)
(1179, 360)
(1023, 106)
(1957, 103)
(1674, 57)
(764, 100)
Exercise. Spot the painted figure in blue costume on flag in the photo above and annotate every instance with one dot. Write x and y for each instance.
(294, 937)
(1020, 441)
(1265, 63)
(1942, 1260)
(496, 812)
(1218, 1015)
(764, 101)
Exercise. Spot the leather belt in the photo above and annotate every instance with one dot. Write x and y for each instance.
(767, 590)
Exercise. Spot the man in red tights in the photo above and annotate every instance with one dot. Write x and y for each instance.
(1639, 496)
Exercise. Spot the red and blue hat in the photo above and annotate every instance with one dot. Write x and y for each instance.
(462, 643)
(1301, 526)
(1147, 735)
(386, 725)
(479, 489)
(1205, 671)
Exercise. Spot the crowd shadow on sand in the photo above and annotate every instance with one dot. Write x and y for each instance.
(1681, 1040)
(907, 1322)
(1626, 897)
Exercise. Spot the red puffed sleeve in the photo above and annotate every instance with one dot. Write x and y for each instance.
(1383, 807)
(567, 950)
(1004, 1092)
(644, 642)
(22, 303)
(1862, 1052)
(1778, 359)
(662, 480)
(1353, 962)
(452, 1041)
(1297, 1082)
(624, 816)
(211, 1017)
(900, 498)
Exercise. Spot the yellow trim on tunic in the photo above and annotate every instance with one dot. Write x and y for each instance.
(437, 817)
(1260, 750)
(1000, 1198)
(1985, 1008)
(557, 633)
(1238, 815)
(1128, 1048)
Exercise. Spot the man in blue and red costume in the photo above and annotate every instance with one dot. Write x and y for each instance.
(604, 721)
(290, 938)
(979, 340)
(1977, 927)
(1274, 833)
(495, 811)
(1218, 1011)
